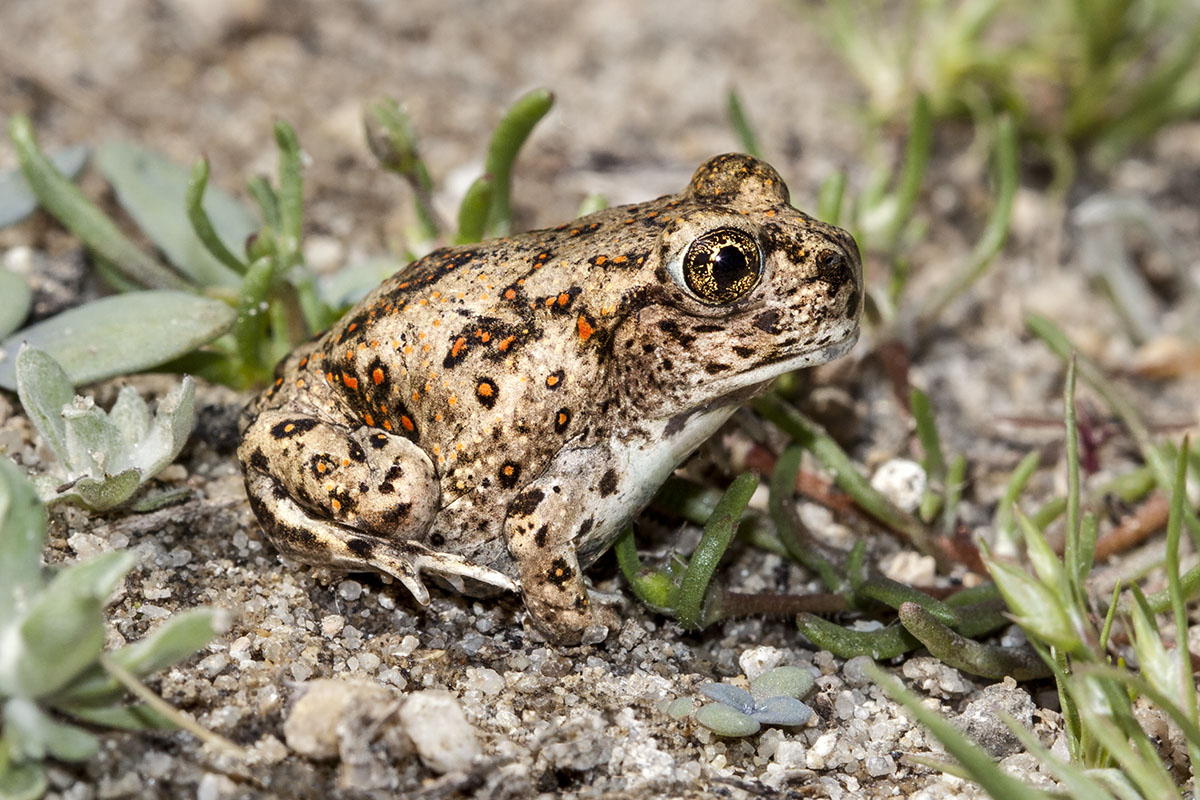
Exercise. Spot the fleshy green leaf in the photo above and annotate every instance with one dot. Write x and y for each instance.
(94, 445)
(177, 638)
(153, 189)
(36, 734)
(727, 721)
(131, 718)
(18, 298)
(24, 781)
(100, 494)
(22, 535)
(17, 200)
(782, 682)
(44, 388)
(122, 334)
(130, 415)
(81, 216)
(782, 711)
(63, 630)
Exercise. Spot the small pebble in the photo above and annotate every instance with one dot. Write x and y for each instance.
(757, 660)
(311, 727)
(435, 722)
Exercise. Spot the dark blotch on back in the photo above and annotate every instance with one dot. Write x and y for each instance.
(293, 427)
(608, 483)
(526, 503)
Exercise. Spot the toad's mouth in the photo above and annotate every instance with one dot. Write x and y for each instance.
(742, 386)
(778, 365)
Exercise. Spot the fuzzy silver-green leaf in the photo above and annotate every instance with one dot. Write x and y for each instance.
(121, 334)
(18, 298)
(44, 389)
(153, 189)
(17, 200)
(22, 535)
(63, 629)
(177, 638)
(101, 494)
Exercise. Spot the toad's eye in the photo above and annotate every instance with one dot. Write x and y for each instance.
(722, 266)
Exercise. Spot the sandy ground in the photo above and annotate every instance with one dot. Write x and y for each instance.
(640, 101)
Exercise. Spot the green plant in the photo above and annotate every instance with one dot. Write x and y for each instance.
(54, 672)
(103, 458)
(237, 290)
(1111, 754)
(1093, 76)
(773, 699)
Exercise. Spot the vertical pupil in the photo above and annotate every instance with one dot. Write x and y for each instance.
(728, 266)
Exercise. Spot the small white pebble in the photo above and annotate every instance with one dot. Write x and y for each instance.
(878, 766)
(854, 670)
(434, 721)
(484, 679)
(820, 750)
(332, 624)
(757, 660)
(407, 645)
(311, 727)
(902, 481)
(350, 590)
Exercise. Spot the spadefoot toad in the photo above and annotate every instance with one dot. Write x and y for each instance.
(495, 413)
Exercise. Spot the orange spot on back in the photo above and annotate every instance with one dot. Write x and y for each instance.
(377, 375)
(406, 423)
(585, 328)
(505, 342)
(350, 381)
(367, 418)
(459, 344)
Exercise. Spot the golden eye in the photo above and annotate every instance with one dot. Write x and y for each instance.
(722, 266)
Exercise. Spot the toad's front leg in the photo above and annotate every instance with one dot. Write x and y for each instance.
(541, 529)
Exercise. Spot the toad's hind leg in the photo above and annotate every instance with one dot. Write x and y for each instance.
(356, 499)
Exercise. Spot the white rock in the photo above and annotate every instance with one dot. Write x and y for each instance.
(791, 753)
(311, 727)
(902, 481)
(757, 660)
(435, 722)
